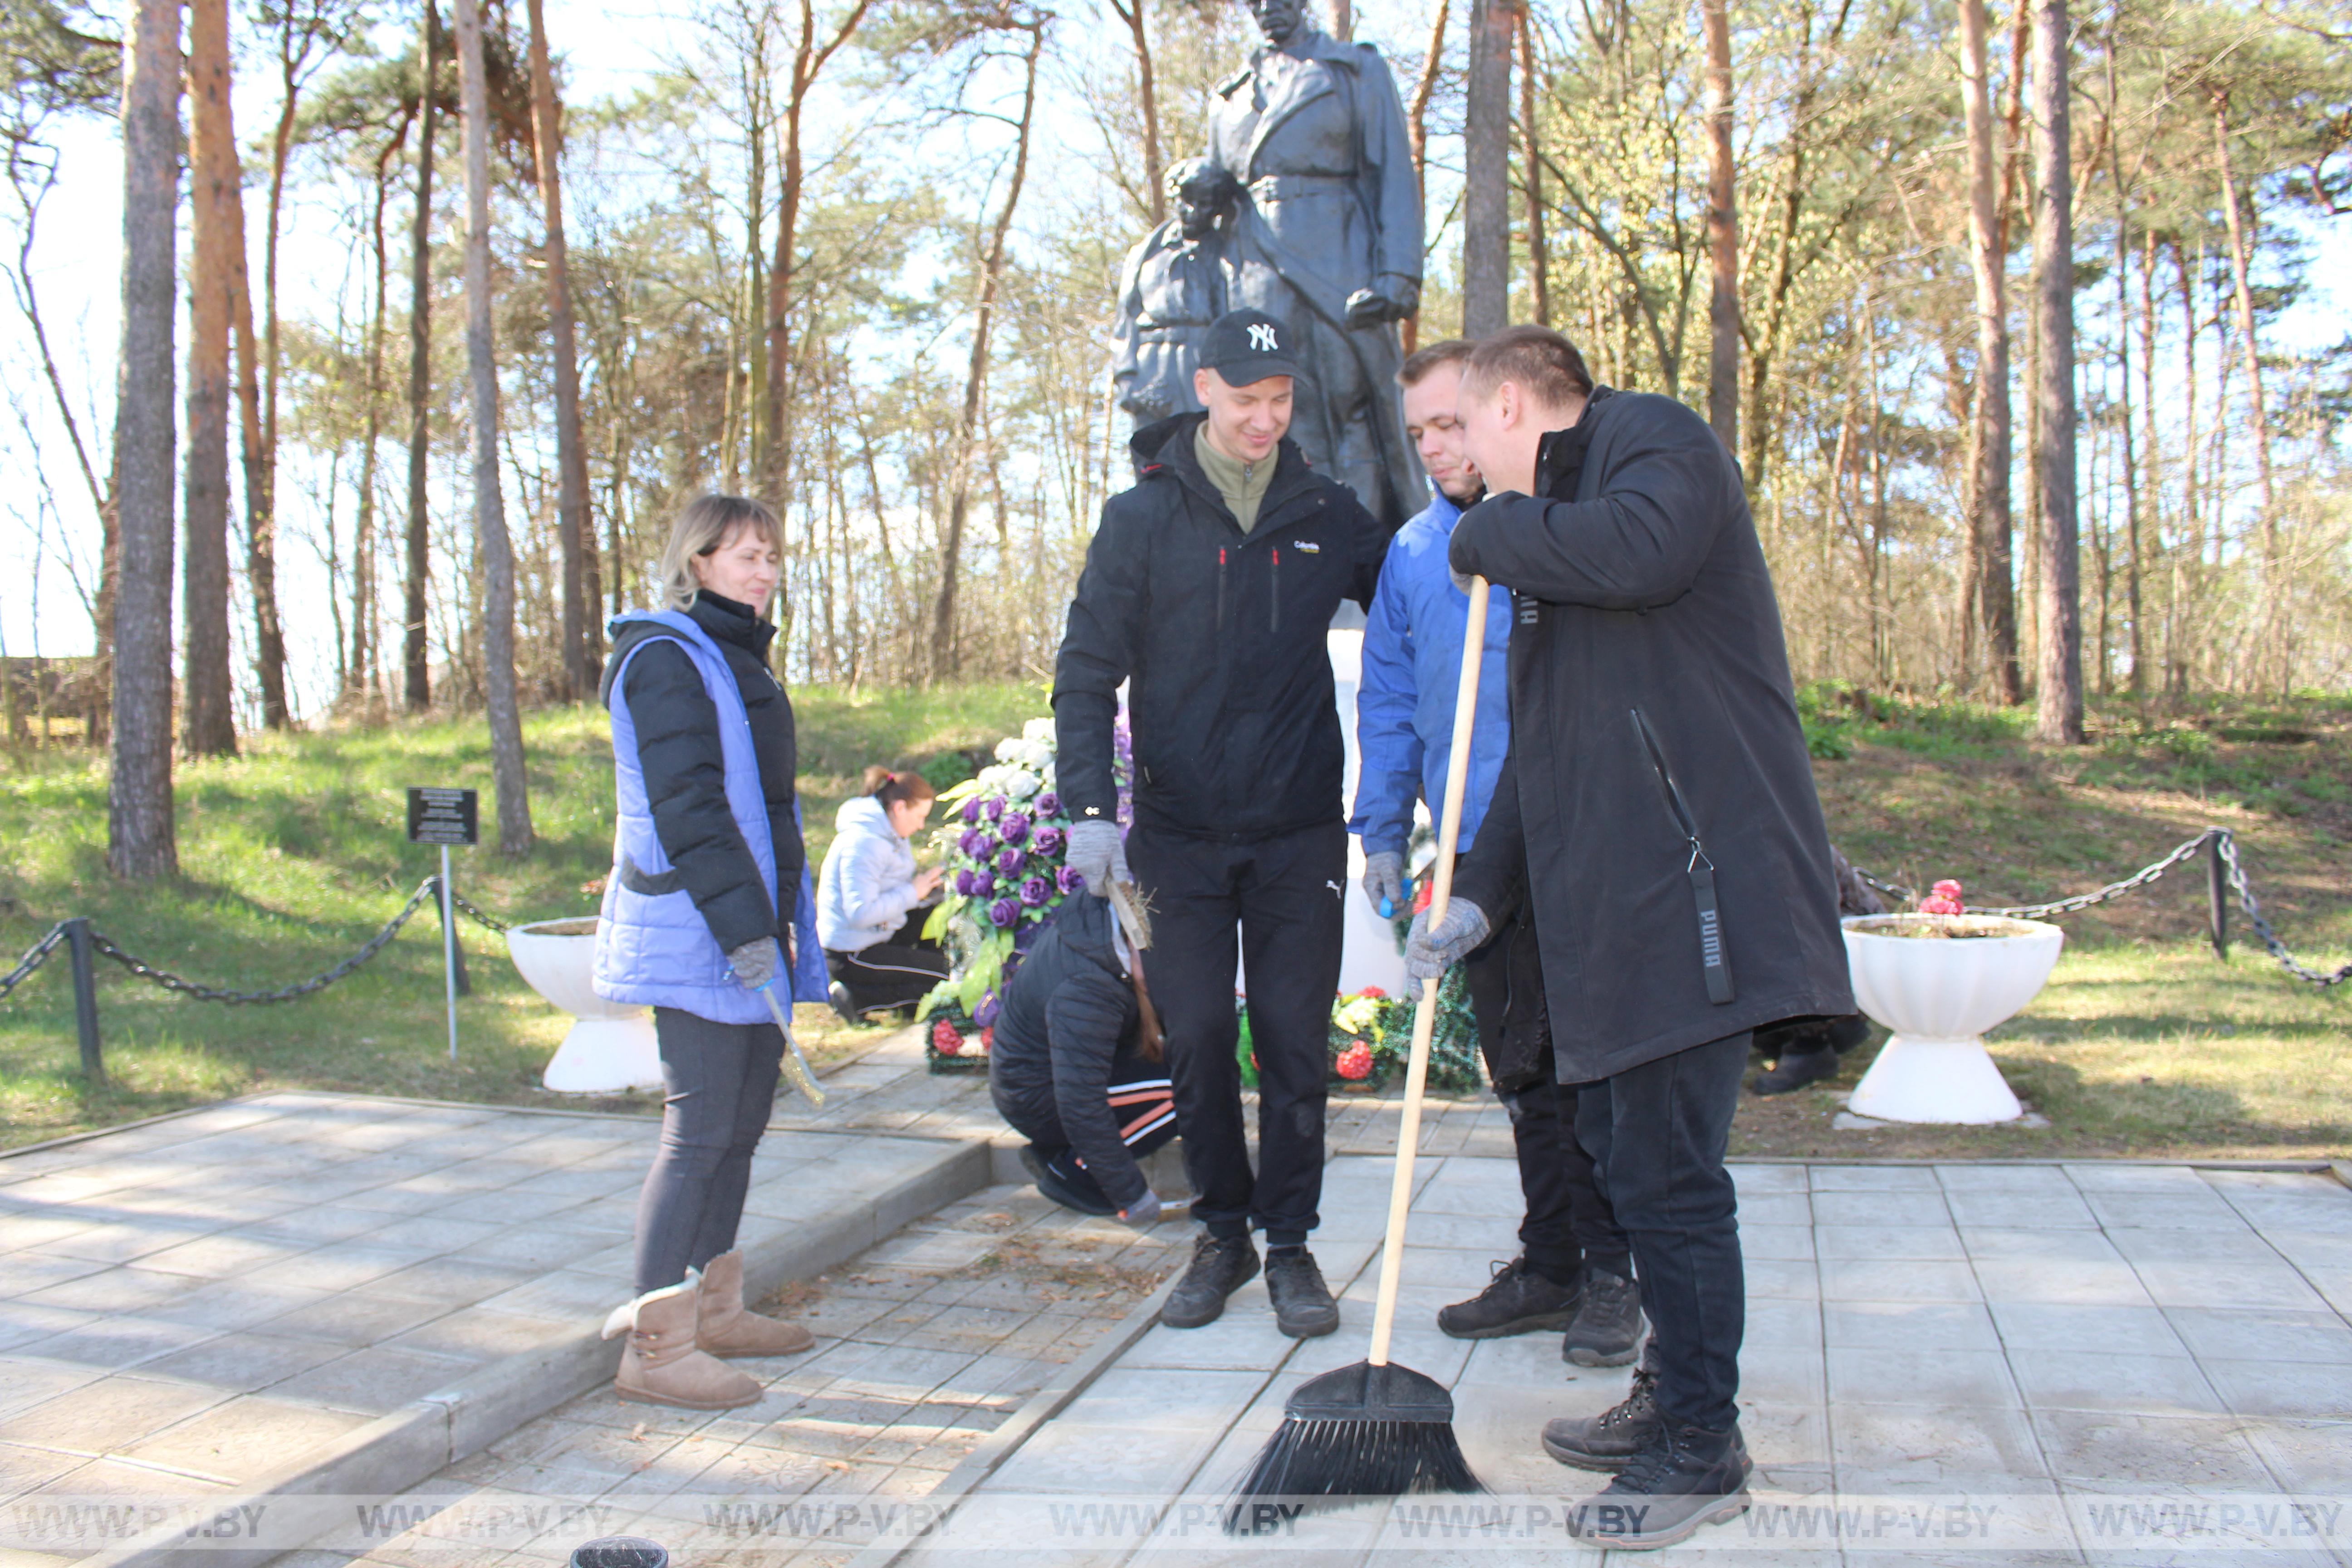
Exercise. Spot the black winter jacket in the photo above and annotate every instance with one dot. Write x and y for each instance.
(1640, 586)
(686, 770)
(1065, 1035)
(1236, 729)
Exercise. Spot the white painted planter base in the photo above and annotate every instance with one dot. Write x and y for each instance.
(605, 1056)
(1917, 1080)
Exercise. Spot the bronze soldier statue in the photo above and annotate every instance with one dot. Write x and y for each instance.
(1171, 287)
(1327, 236)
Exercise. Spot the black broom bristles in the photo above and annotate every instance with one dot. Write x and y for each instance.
(1359, 1431)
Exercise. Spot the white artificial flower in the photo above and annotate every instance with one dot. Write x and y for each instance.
(1008, 749)
(1020, 783)
(1039, 732)
(1034, 756)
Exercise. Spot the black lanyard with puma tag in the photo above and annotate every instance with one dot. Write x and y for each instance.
(1701, 871)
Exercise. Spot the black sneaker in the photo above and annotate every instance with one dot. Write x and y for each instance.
(1517, 1300)
(1061, 1178)
(1609, 1440)
(1687, 1477)
(1303, 1307)
(838, 994)
(1795, 1069)
(1607, 1328)
(1219, 1266)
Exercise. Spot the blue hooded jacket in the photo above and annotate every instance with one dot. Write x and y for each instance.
(653, 947)
(1404, 699)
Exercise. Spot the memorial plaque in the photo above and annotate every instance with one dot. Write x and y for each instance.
(442, 817)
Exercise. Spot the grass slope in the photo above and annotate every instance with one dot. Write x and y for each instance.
(293, 855)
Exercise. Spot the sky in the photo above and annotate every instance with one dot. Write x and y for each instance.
(611, 49)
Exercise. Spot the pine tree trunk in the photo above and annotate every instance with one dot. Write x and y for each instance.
(416, 654)
(1722, 233)
(1531, 158)
(1136, 14)
(574, 528)
(1416, 128)
(495, 550)
(140, 839)
(363, 547)
(945, 655)
(208, 720)
(1487, 171)
(2277, 661)
(1988, 441)
(2059, 689)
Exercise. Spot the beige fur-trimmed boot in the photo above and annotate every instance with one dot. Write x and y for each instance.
(729, 1328)
(660, 1364)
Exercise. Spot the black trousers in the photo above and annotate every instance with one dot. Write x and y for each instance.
(1284, 894)
(720, 1083)
(1568, 1223)
(1657, 1133)
(898, 972)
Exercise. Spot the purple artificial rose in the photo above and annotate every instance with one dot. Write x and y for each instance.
(1046, 841)
(992, 807)
(971, 809)
(1035, 890)
(1014, 828)
(1048, 805)
(983, 847)
(963, 884)
(984, 885)
(1003, 912)
(1068, 879)
(1010, 860)
(985, 1013)
(970, 840)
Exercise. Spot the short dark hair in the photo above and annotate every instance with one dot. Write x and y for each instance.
(1421, 360)
(1536, 358)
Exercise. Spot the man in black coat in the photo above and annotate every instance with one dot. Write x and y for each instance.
(1209, 586)
(1075, 1068)
(1658, 809)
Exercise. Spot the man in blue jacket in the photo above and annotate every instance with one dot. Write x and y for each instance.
(1575, 1269)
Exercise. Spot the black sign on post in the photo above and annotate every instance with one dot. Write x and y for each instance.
(442, 817)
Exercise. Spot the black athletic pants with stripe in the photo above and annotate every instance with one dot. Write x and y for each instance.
(1274, 904)
(897, 971)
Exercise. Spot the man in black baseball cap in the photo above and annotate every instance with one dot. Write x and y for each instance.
(1208, 588)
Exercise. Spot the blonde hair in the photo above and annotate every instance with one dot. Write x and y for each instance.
(706, 523)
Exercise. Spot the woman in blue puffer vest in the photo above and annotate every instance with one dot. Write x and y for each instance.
(706, 904)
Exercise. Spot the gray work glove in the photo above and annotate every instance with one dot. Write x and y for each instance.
(1143, 1211)
(1383, 882)
(755, 963)
(1095, 853)
(1428, 953)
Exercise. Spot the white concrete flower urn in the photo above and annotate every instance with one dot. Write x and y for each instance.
(1939, 994)
(611, 1046)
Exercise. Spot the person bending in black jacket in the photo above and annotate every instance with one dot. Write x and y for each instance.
(1209, 586)
(1078, 1069)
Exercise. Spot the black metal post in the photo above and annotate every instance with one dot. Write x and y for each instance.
(2217, 894)
(85, 983)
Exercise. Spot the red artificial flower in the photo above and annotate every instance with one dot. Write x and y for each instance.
(988, 1039)
(1355, 1062)
(944, 1038)
(1421, 899)
(1374, 992)
(1943, 899)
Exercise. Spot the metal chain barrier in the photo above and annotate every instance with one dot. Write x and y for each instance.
(487, 922)
(2228, 849)
(2224, 844)
(35, 956)
(191, 989)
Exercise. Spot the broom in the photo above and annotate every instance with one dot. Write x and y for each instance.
(1378, 1429)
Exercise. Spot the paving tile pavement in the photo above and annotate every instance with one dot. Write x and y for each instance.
(193, 1302)
(1976, 1364)
(927, 1343)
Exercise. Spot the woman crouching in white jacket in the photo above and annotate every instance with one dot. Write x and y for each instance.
(871, 902)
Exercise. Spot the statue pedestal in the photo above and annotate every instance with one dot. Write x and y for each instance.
(1371, 956)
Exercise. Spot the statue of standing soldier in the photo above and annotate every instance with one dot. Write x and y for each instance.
(1324, 231)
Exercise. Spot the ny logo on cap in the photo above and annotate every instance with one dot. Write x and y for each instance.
(1262, 339)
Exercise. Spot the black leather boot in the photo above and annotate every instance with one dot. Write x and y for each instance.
(1609, 1440)
(1607, 1328)
(1517, 1300)
(1687, 1477)
(1219, 1266)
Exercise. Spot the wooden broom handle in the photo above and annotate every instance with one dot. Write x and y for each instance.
(1425, 1014)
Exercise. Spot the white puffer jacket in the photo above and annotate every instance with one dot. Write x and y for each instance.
(868, 883)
